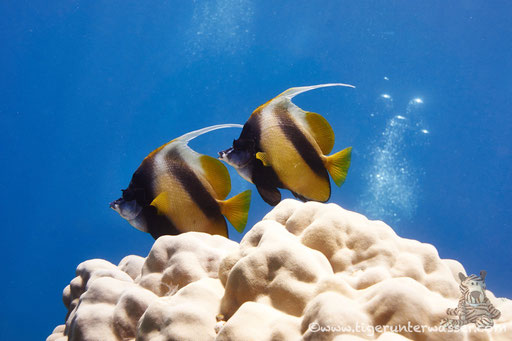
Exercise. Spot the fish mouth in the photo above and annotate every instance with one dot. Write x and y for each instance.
(223, 154)
(115, 204)
(236, 158)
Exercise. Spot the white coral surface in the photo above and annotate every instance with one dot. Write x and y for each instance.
(307, 271)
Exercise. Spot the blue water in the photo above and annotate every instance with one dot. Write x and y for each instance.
(89, 88)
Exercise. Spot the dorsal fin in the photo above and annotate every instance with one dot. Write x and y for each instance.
(315, 124)
(193, 134)
(321, 131)
(217, 175)
(185, 138)
(292, 92)
(212, 169)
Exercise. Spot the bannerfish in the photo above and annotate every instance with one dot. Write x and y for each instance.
(176, 189)
(283, 146)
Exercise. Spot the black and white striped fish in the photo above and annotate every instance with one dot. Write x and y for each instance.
(176, 189)
(283, 146)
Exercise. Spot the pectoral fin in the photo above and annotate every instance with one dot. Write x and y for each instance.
(264, 158)
(162, 203)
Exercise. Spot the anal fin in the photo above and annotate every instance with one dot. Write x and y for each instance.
(300, 197)
(271, 195)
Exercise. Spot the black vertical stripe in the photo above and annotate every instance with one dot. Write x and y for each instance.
(141, 184)
(252, 132)
(300, 142)
(265, 178)
(158, 225)
(179, 168)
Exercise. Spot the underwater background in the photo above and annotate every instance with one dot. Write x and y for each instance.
(89, 88)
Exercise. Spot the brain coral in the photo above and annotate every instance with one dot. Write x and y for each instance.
(307, 271)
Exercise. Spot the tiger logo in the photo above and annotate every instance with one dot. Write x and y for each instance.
(474, 306)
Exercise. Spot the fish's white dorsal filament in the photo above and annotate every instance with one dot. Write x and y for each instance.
(193, 134)
(290, 93)
(188, 154)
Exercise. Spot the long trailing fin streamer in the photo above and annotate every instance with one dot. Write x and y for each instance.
(290, 93)
(193, 134)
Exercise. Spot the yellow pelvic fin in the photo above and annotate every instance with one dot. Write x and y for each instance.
(337, 165)
(217, 175)
(321, 131)
(236, 209)
(264, 158)
(162, 203)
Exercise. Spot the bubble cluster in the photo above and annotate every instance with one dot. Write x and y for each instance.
(392, 178)
(220, 27)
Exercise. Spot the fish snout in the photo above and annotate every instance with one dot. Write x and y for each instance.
(115, 204)
(224, 153)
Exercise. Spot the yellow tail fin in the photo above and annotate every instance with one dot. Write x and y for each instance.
(236, 209)
(337, 165)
